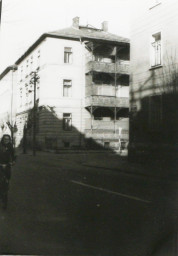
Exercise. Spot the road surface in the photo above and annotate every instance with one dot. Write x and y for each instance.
(58, 205)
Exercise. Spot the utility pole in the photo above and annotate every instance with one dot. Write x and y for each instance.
(34, 80)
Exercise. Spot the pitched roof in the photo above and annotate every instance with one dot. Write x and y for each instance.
(89, 33)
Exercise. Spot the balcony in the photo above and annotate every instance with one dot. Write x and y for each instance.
(121, 67)
(108, 125)
(107, 134)
(107, 101)
(107, 90)
(105, 129)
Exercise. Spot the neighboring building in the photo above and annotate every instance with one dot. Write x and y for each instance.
(154, 79)
(83, 89)
(7, 100)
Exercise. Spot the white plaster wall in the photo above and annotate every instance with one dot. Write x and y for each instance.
(162, 18)
(52, 73)
(35, 61)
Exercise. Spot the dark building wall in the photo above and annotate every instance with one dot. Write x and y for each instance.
(154, 81)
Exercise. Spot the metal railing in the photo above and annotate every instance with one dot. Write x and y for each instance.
(122, 67)
(107, 101)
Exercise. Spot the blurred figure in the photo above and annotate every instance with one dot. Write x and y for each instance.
(7, 156)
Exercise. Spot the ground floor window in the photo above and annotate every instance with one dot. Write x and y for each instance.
(67, 121)
(66, 144)
(106, 144)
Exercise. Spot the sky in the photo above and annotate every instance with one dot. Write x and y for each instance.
(23, 21)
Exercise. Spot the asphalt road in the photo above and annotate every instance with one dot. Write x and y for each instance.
(59, 206)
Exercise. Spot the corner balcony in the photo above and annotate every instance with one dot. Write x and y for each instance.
(106, 101)
(105, 129)
(103, 134)
(121, 67)
(107, 90)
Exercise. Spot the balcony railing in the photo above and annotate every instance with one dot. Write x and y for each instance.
(107, 90)
(107, 134)
(106, 129)
(121, 67)
(106, 101)
(107, 125)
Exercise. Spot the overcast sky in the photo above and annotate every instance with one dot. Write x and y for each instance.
(23, 21)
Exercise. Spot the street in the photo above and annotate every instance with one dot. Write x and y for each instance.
(60, 205)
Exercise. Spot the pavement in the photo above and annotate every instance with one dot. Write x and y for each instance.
(121, 164)
(59, 205)
(116, 162)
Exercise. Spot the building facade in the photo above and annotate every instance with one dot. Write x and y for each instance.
(153, 80)
(8, 100)
(82, 94)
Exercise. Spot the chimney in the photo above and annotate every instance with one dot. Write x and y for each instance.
(75, 22)
(105, 26)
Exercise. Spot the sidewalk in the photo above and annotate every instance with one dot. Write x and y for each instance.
(121, 164)
(110, 161)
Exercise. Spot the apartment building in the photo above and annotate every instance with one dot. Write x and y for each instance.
(82, 94)
(8, 100)
(154, 83)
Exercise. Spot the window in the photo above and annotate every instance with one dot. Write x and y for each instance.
(67, 144)
(27, 68)
(27, 94)
(31, 64)
(20, 97)
(30, 93)
(67, 88)
(156, 50)
(21, 73)
(38, 59)
(67, 55)
(106, 144)
(67, 121)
